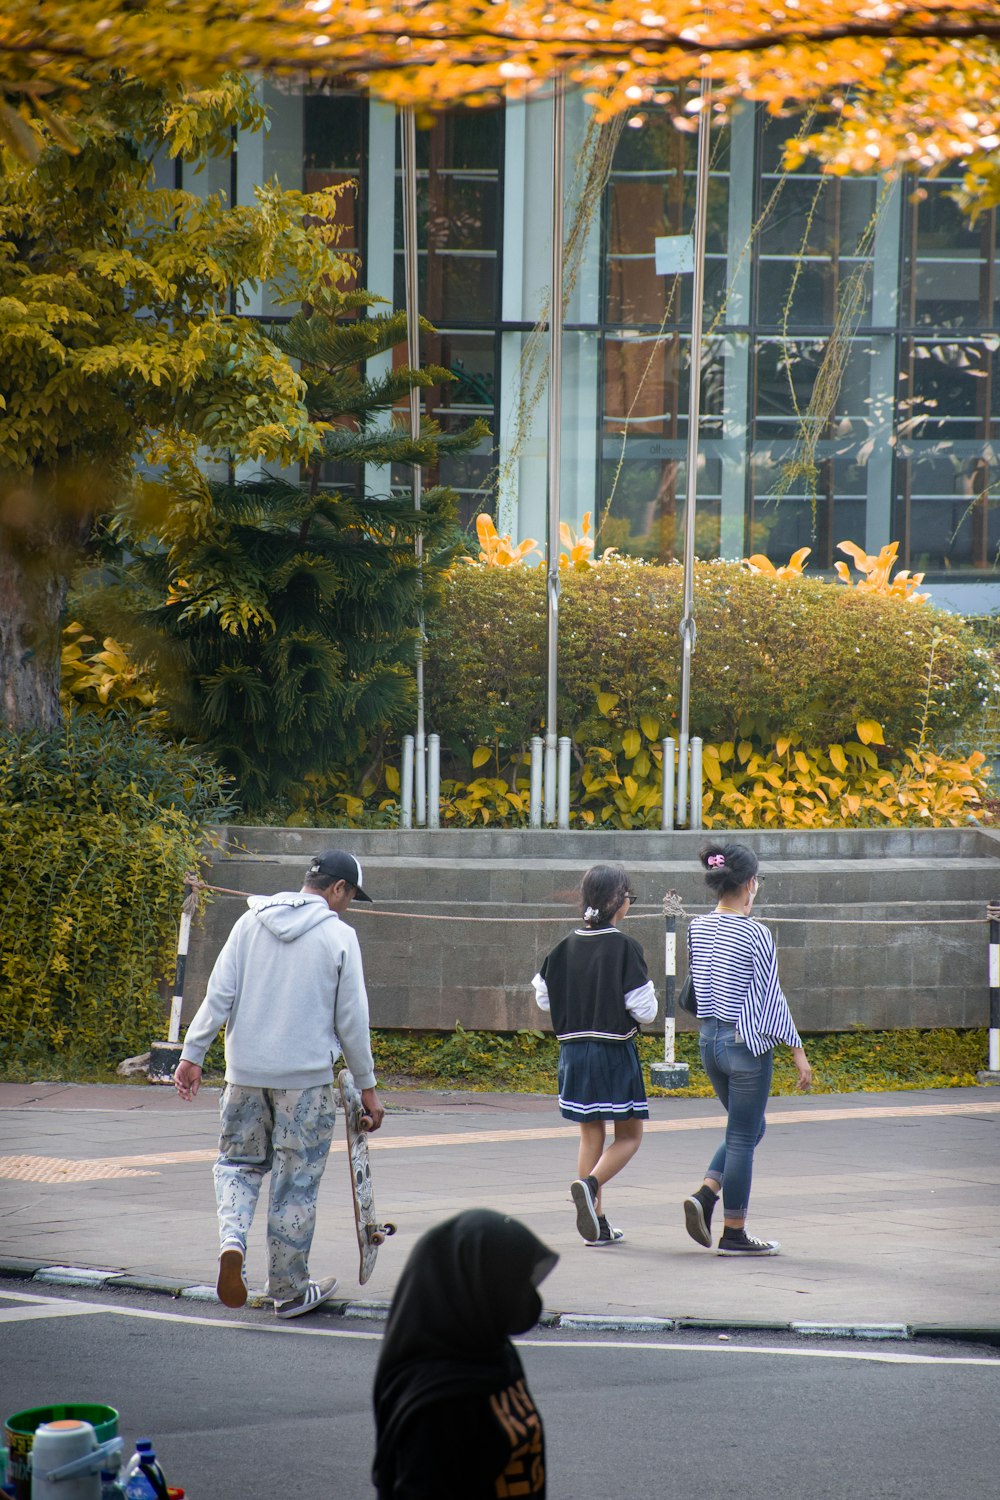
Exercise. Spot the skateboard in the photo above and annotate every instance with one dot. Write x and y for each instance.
(371, 1233)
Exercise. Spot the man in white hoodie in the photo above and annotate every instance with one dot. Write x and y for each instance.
(289, 988)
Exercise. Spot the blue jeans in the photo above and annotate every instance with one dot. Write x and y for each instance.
(742, 1083)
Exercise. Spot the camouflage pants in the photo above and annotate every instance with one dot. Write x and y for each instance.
(286, 1132)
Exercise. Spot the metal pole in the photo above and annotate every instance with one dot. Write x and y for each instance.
(687, 626)
(406, 784)
(535, 783)
(555, 434)
(565, 744)
(433, 781)
(696, 783)
(682, 779)
(669, 772)
(408, 134)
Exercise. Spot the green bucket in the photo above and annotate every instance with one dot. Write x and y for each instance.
(20, 1429)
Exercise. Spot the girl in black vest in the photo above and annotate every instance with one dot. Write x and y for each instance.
(597, 989)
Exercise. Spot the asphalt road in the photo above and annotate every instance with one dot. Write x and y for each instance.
(239, 1406)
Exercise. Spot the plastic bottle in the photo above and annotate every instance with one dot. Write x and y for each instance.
(111, 1486)
(143, 1478)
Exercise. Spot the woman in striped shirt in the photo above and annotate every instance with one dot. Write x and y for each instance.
(743, 1016)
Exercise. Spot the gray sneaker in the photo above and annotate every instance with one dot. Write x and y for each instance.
(315, 1293)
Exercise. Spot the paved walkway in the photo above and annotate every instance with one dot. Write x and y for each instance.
(886, 1205)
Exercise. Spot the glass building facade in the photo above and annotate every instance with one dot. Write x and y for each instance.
(852, 337)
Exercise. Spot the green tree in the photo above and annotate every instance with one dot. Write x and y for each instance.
(117, 337)
(282, 617)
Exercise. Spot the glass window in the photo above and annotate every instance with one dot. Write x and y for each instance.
(814, 233)
(472, 359)
(333, 154)
(458, 218)
(949, 261)
(829, 509)
(947, 508)
(948, 479)
(643, 483)
(651, 192)
(643, 474)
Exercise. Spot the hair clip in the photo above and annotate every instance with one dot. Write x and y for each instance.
(716, 861)
(590, 913)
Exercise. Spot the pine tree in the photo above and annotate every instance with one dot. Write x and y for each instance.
(282, 617)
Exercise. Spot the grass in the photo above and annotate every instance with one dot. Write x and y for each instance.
(524, 1062)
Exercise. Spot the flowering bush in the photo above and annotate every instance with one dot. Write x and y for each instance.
(772, 657)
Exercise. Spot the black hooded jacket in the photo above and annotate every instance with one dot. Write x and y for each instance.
(453, 1414)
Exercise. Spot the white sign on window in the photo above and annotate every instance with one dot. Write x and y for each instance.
(674, 254)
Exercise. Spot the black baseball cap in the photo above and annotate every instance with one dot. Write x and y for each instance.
(337, 864)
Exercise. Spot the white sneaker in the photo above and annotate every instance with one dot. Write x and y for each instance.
(315, 1293)
(231, 1287)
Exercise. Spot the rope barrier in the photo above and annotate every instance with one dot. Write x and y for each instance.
(677, 909)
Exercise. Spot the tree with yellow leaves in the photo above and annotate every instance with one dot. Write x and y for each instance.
(901, 83)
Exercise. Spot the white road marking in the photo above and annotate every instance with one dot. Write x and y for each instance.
(49, 1306)
(64, 1310)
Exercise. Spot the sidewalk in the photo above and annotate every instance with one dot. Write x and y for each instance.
(886, 1205)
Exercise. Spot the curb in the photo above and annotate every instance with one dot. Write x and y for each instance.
(15, 1268)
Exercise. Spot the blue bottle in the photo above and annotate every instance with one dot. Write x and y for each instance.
(143, 1478)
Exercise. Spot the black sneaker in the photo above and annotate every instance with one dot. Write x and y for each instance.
(698, 1215)
(738, 1242)
(609, 1235)
(584, 1195)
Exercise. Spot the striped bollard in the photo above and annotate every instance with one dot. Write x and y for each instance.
(670, 1074)
(164, 1056)
(992, 1072)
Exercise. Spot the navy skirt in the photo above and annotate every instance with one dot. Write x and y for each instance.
(601, 1081)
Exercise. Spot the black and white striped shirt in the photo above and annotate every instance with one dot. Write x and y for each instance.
(735, 971)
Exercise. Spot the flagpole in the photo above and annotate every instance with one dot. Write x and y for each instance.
(554, 450)
(408, 130)
(687, 624)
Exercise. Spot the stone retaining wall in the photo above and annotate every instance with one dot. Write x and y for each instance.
(854, 913)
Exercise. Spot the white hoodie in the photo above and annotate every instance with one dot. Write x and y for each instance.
(289, 988)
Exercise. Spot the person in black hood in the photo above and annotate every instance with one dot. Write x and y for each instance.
(453, 1414)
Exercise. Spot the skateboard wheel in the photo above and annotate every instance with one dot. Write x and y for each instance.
(388, 1229)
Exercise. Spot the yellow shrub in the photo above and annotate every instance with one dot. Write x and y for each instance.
(99, 680)
(808, 787)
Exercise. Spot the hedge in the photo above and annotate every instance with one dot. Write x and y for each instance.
(771, 658)
(99, 823)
